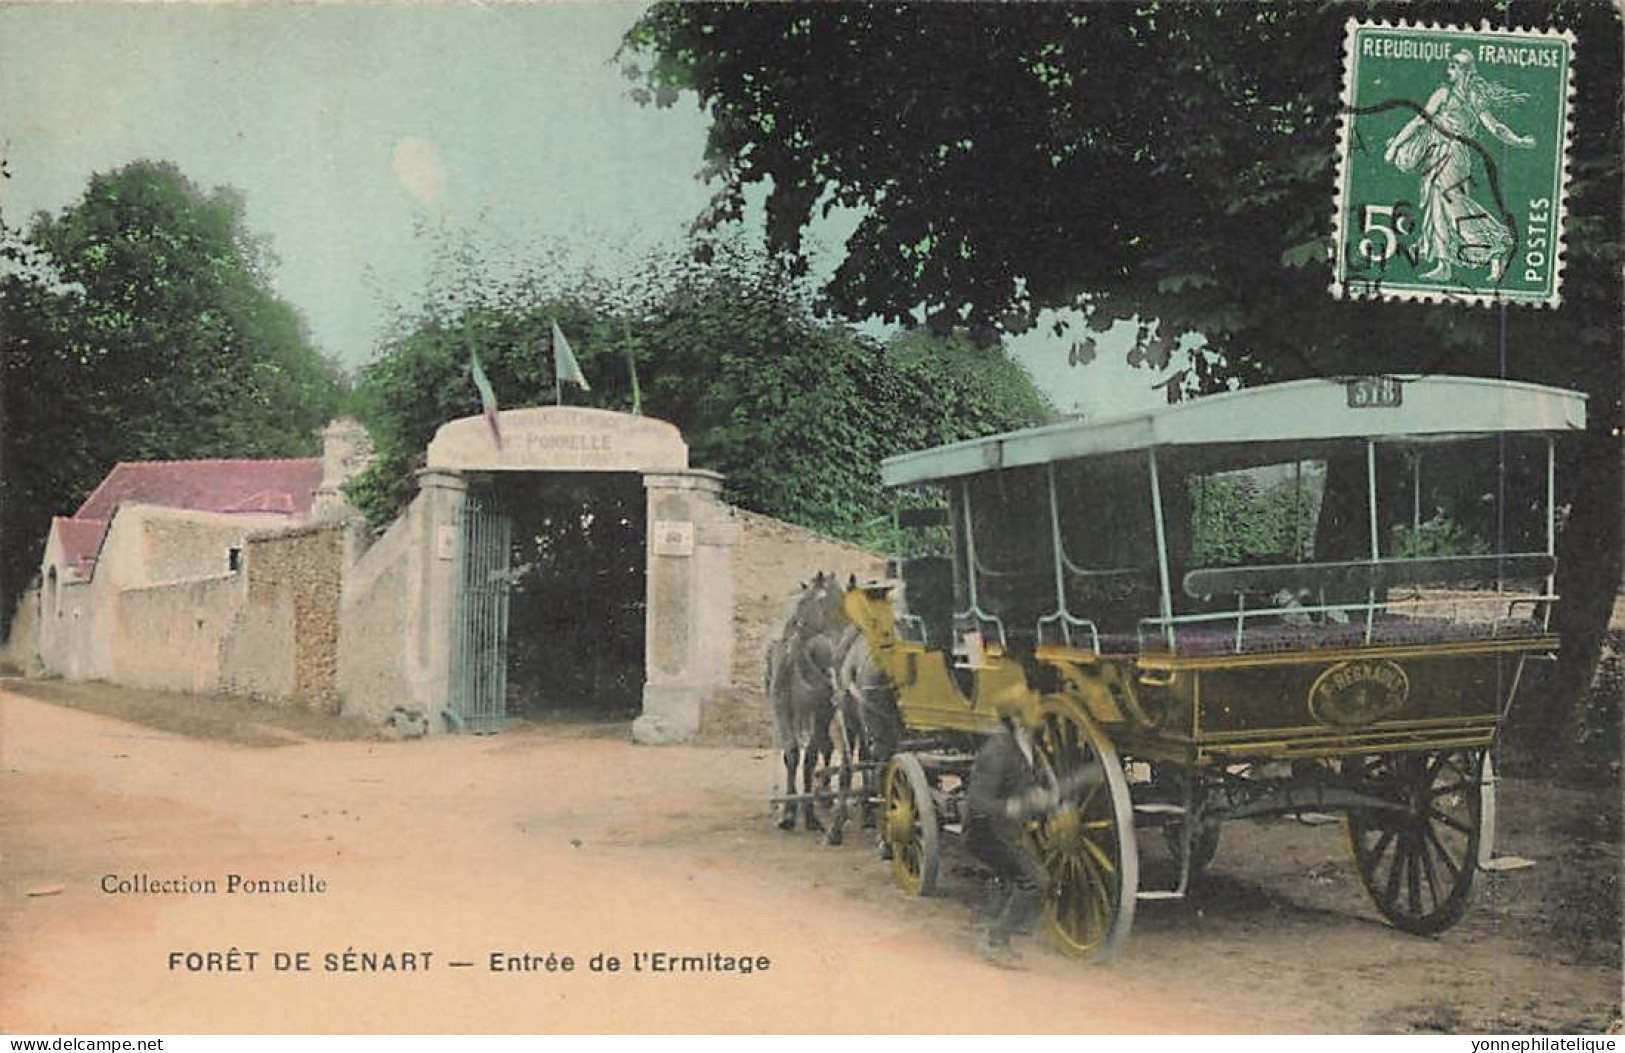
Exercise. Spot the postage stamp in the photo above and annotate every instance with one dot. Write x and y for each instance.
(1453, 163)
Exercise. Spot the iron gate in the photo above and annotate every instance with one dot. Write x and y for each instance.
(479, 657)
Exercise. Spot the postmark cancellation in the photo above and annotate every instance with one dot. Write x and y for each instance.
(1453, 163)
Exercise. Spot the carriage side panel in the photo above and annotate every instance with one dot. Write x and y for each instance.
(1389, 699)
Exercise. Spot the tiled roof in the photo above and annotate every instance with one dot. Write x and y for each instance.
(81, 540)
(285, 487)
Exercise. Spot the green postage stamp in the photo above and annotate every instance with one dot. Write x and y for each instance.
(1453, 163)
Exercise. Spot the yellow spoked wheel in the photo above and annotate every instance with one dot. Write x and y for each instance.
(1418, 862)
(1087, 845)
(909, 825)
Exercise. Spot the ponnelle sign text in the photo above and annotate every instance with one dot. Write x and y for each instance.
(560, 438)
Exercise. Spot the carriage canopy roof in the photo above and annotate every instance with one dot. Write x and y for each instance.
(1299, 411)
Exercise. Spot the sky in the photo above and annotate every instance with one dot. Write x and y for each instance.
(351, 129)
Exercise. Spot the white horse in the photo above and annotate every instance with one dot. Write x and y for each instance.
(801, 687)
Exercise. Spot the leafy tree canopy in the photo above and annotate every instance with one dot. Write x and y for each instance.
(794, 411)
(1158, 161)
(139, 324)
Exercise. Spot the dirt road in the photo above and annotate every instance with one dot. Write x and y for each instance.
(567, 840)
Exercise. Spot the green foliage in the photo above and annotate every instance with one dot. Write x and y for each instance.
(139, 324)
(1437, 537)
(1001, 168)
(795, 412)
(583, 539)
(1234, 521)
(1002, 389)
(916, 528)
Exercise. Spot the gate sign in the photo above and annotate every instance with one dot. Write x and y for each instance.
(1359, 692)
(672, 538)
(1453, 163)
(560, 439)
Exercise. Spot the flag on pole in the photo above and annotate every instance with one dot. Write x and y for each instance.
(632, 367)
(565, 368)
(488, 398)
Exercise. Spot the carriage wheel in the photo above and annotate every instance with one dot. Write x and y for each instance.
(1088, 850)
(909, 825)
(1418, 863)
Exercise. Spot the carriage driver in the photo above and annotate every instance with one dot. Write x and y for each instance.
(1005, 790)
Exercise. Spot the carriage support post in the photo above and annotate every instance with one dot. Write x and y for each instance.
(1166, 600)
(1551, 528)
(1376, 534)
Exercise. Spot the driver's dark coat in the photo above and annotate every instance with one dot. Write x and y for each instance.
(1001, 773)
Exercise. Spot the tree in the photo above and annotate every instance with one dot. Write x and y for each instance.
(1001, 168)
(1171, 162)
(793, 411)
(139, 324)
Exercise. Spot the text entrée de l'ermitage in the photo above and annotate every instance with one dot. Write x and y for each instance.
(356, 960)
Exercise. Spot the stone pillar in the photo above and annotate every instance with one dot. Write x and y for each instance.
(688, 633)
(346, 452)
(434, 591)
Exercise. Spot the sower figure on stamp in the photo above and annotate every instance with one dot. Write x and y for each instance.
(1438, 144)
(1006, 789)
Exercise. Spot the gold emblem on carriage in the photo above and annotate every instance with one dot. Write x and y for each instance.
(1359, 692)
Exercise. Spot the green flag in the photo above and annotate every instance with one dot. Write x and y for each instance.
(632, 367)
(565, 368)
(488, 397)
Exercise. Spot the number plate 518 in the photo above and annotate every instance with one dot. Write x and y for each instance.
(1375, 392)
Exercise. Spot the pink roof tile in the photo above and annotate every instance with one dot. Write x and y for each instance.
(81, 541)
(285, 487)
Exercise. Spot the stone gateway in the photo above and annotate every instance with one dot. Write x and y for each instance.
(580, 562)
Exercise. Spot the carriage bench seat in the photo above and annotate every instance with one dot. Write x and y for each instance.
(1387, 630)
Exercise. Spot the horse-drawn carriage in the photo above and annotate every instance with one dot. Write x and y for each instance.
(1309, 598)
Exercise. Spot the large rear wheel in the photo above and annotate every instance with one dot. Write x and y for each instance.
(1087, 845)
(1418, 860)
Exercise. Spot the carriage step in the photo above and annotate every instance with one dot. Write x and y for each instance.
(1159, 893)
(1159, 808)
(1501, 864)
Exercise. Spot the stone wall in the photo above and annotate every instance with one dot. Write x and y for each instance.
(268, 629)
(152, 545)
(284, 641)
(303, 568)
(178, 545)
(770, 561)
(168, 637)
(305, 619)
(75, 639)
(256, 657)
(374, 624)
